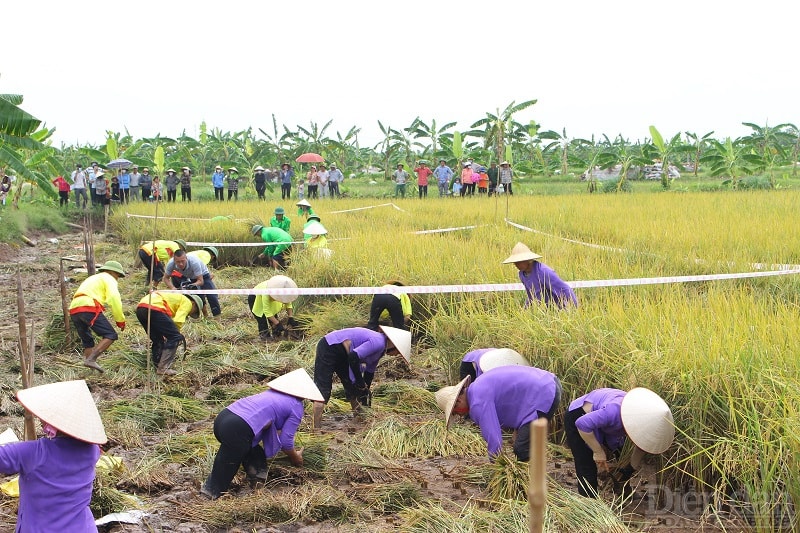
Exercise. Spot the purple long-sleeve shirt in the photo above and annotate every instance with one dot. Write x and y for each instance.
(368, 344)
(55, 483)
(604, 420)
(275, 409)
(544, 284)
(474, 357)
(508, 397)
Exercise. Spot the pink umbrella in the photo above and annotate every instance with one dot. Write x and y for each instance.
(310, 157)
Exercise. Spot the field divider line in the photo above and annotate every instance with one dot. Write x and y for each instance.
(486, 287)
(130, 215)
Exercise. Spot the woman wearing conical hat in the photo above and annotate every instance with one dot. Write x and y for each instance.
(270, 418)
(541, 282)
(56, 473)
(482, 360)
(602, 419)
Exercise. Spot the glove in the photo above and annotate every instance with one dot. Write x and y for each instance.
(624, 474)
(121, 326)
(190, 287)
(292, 322)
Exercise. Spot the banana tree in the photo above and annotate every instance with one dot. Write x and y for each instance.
(666, 152)
(420, 130)
(496, 128)
(772, 144)
(699, 145)
(731, 159)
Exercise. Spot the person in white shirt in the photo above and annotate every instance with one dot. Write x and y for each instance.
(79, 186)
(134, 183)
(322, 177)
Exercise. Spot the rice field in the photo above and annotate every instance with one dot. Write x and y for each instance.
(722, 353)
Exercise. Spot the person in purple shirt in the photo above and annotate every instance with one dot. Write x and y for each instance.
(353, 355)
(479, 361)
(270, 417)
(541, 282)
(505, 397)
(56, 473)
(602, 419)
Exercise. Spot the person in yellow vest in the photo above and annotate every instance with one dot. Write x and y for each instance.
(162, 251)
(265, 308)
(86, 311)
(165, 313)
(208, 255)
(314, 234)
(396, 306)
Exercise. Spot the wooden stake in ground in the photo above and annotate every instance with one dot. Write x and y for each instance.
(62, 283)
(537, 490)
(25, 357)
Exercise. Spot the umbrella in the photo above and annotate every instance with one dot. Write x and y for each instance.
(310, 157)
(118, 163)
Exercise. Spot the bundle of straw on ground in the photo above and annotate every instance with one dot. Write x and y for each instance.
(396, 438)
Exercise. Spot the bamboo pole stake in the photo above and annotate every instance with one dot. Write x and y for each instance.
(62, 283)
(25, 362)
(537, 464)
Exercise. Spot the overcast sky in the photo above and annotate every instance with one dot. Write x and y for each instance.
(611, 67)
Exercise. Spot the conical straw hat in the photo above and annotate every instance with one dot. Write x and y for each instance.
(303, 202)
(401, 340)
(501, 357)
(315, 228)
(282, 282)
(67, 406)
(520, 252)
(446, 398)
(297, 383)
(647, 420)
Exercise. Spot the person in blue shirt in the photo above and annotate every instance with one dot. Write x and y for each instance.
(286, 175)
(124, 186)
(443, 175)
(218, 181)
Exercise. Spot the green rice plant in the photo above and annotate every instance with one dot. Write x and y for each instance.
(157, 411)
(315, 452)
(400, 397)
(147, 475)
(106, 498)
(186, 448)
(396, 438)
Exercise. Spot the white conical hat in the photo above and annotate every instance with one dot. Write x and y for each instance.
(501, 357)
(520, 252)
(647, 420)
(297, 383)
(315, 228)
(282, 282)
(401, 340)
(303, 202)
(67, 406)
(446, 398)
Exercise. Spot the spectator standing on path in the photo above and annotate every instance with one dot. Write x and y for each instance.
(157, 189)
(78, 179)
(86, 311)
(285, 176)
(541, 282)
(423, 172)
(280, 220)
(260, 182)
(466, 180)
(91, 175)
(313, 182)
(63, 191)
(124, 186)
(492, 174)
(171, 182)
(335, 177)
(136, 180)
(505, 176)
(146, 183)
(188, 272)
(400, 177)
(102, 188)
(5, 188)
(164, 314)
(233, 183)
(443, 175)
(322, 178)
(186, 184)
(483, 180)
(218, 182)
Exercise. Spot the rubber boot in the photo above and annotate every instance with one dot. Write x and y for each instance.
(167, 358)
(90, 360)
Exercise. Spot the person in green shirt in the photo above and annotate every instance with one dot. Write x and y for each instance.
(279, 241)
(280, 220)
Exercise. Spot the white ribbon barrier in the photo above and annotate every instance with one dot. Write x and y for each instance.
(485, 287)
(368, 207)
(445, 230)
(129, 215)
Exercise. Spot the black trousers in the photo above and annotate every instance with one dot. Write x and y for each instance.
(261, 189)
(264, 325)
(219, 194)
(522, 444)
(466, 369)
(186, 194)
(585, 467)
(391, 303)
(330, 360)
(158, 266)
(286, 191)
(235, 448)
(163, 332)
(172, 195)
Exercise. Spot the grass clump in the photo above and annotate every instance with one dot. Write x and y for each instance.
(396, 438)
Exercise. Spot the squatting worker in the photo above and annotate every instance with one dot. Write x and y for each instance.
(505, 397)
(265, 307)
(187, 272)
(86, 311)
(353, 355)
(166, 313)
(601, 420)
(270, 417)
(314, 235)
(396, 306)
(279, 242)
(155, 255)
(541, 282)
(56, 473)
(280, 220)
(482, 360)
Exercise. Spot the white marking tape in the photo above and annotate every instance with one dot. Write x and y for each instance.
(487, 287)
(444, 230)
(368, 207)
(129, 215)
